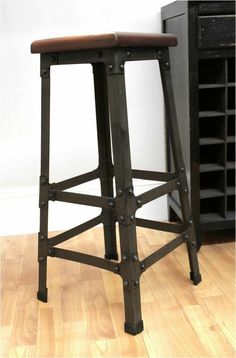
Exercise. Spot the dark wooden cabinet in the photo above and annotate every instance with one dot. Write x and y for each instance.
(203, 73)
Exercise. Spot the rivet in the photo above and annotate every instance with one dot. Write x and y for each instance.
(119, 192)
(167, 63)
(42, 237)
(142, 266)
(121, 218)
(160, 52)
(135, 258)
(111, 204)
(50, 251)
(178, 183)
(42, 204)
(128, 54)
(132, 217)
(50, 195)
(126, 283)
(139, 203)
(131, 192)
(41, 259)
(54, 58)
(190, 222)
(185, 190)
(124, 257)
(43, 181)
(122, 67)
(117, 269)
(182, 169)
(44, 71)
(136, 283)
(186, 236)
(110, 67)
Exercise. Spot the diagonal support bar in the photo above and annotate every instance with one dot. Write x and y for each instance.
(84, 259)
(150, 175)
(58, 239)
(163, 251)
(158, 191)
(79, 179)
(162, 226)
(83, 199)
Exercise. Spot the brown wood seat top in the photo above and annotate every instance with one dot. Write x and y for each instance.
(115, 39)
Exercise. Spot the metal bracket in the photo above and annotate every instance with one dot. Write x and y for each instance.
(125, 206)
(116, 63)
(163, 57)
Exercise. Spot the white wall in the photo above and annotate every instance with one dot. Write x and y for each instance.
(23, 21)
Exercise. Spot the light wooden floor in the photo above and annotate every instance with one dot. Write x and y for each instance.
(84, 314)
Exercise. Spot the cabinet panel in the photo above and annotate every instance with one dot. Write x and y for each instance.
(203, 67)
(216, 31)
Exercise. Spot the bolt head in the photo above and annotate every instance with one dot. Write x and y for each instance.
(136, 283)
(126, 283)
(135, 258)
(42, 204)
(142, 266)
(139, 203)
(41, 259)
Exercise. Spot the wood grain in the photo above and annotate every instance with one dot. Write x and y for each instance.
(84, 314)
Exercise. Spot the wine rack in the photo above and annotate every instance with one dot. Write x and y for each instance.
(203, 67)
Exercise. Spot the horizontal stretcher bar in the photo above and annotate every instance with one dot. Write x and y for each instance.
(162, 226)
(163, 251)
(83, 199)
(79, 179)
(158, 191)
(84, 259)
(150, 175)
(58, 239)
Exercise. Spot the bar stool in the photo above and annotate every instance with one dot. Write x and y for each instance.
(108, 54)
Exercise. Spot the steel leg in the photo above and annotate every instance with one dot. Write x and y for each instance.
(179, 165)
(44, 183)
(105, 160)
(125, 203)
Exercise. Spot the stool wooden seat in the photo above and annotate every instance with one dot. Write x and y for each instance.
(115, 39)
(108, 54)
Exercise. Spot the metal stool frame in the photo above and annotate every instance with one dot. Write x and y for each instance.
(111, 111)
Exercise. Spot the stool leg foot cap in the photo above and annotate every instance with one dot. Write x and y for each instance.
(43, 296)
(134, 329)
(113, 256)
(195, 278)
